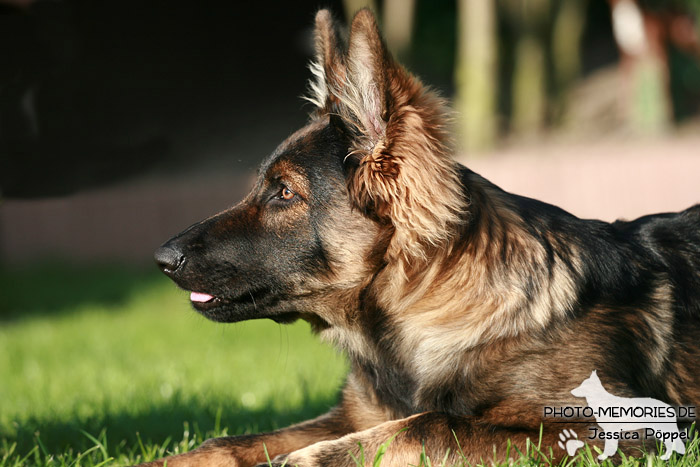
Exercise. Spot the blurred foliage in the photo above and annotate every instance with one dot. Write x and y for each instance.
(434, 42)
(547, 48)
(684, 85)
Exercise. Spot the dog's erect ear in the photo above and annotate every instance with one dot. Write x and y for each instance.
(403, 174)
(351, 84)
(328, 68)
(399, 169)
(368, 64)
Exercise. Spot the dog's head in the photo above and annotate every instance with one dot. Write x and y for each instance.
(365, 184)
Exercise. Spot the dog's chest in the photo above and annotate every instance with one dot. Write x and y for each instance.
(392, 386)
(389, 377)
(400, 390)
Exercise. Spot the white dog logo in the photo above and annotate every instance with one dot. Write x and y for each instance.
(602, 402)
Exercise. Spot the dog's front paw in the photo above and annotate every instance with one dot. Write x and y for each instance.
(158, 463)
(155, 463)
(280, 461)
(306, 457)
(197, 458)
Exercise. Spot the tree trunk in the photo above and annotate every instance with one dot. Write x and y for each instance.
(398, 25)
(566, 47)
(475, 74)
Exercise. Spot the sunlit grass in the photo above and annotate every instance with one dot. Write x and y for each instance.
(133, 357)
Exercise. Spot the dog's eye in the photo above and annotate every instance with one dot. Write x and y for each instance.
(285, 194)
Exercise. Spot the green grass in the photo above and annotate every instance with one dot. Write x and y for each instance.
(110, 366)
(119, 352)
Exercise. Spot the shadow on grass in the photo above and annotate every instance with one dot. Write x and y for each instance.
(54, 287)
(163, 422)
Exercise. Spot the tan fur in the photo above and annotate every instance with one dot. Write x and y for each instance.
(659, 320)
(405, 173)
(434, 321)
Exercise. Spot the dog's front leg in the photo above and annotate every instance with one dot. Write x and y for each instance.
(443, 437)
(249, 450)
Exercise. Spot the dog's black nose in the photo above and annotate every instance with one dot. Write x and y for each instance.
(169, 258)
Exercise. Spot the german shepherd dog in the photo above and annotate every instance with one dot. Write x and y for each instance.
(464, 310)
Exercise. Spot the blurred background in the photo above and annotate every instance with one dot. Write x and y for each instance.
(122, 122)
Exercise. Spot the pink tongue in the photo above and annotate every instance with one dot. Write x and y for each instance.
(201, 297)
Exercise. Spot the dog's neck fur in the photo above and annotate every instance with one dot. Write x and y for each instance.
(487, 258)
(491, 308)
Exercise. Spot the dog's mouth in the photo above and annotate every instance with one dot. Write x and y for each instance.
(204, 302)
(227, 308)
(251, 304)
